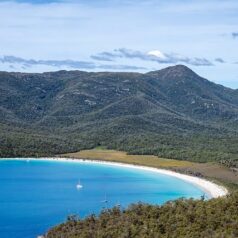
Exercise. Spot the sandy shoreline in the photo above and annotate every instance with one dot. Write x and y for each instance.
(213, 190)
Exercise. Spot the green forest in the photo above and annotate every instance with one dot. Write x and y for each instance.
(172, 113)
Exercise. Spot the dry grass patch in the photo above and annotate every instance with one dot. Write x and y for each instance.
(123, 157)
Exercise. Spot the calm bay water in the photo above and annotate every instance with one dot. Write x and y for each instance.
(37, 195)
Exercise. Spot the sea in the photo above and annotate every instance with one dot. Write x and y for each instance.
(36, 195)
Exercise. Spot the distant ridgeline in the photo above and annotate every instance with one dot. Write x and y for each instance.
(172, 113)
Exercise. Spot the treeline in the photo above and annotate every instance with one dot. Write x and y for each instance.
(195, 147)
(192, 147)
(33, 145)
(181, 218)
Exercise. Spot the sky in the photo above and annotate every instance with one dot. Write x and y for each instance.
(121, 35)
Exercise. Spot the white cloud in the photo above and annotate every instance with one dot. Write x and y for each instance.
(152, 56)
(17, 64)
(157, 53)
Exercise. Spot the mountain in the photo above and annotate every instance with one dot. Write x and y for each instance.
(195, 96)
(171, 112)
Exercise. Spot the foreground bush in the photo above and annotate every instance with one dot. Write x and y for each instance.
(181, 218)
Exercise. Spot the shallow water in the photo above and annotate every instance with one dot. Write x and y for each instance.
(37, 195)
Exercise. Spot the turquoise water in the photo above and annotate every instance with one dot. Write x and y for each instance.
(37, 195)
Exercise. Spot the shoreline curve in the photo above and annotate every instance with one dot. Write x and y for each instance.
(210, 188)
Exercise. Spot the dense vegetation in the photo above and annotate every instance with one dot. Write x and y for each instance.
(181, 218)
(172, 113)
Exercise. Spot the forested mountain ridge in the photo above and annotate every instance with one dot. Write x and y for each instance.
(80, 92)
(171, 112)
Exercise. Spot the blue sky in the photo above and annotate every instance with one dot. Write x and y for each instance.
(125, 35)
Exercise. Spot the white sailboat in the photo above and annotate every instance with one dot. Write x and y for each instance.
(105, 201)
(118, 204)
(79, 185)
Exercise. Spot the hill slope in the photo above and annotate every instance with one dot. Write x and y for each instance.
(171, 112)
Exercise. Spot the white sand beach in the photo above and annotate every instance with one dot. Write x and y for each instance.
(212, 189)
